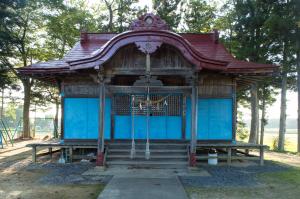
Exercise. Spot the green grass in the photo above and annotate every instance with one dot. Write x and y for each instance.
(291, 176)
(275, 185)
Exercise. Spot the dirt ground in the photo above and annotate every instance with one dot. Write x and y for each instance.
(20, 179)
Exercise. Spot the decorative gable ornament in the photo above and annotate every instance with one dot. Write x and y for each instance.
(149, 21)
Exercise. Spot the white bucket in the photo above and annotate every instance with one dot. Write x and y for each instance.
(212, 158)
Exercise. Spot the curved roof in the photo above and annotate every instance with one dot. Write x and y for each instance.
(148, 32)
(150, 37)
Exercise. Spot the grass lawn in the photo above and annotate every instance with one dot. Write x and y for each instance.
(276, 185)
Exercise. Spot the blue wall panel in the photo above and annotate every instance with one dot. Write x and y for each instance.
(160, 127)
(214, 119)
(81, 116)
(174, 127)
(75, 118)
(122, 127)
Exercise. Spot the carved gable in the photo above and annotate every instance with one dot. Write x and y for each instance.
(165, 57)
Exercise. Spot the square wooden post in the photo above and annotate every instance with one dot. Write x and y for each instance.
(34, 154)
(50, 152)
(71, 154)
(261, 155)
(228, 155)
(100, 147)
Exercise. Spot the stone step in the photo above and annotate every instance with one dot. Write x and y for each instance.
(152, 151)
(162, 155)
(152, 157)
(152, 146)
(149, 163)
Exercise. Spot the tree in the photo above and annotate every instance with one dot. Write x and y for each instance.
(7, 16)
(297, 35)
(266, 94)
(44, 94)
(199, 16)
(120, 14)
(170, 11)
(22, 30)
(251, 43)
(280, 30)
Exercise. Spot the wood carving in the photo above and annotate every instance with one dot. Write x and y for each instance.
(149, 21)
(148, 47)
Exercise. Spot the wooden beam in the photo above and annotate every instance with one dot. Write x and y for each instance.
(138, 72)
(153, 89)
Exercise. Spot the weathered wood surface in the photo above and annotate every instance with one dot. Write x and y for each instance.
(233, 146)
(216, 86)
(129, 57)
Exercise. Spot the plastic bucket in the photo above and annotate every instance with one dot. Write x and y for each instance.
(212, 158)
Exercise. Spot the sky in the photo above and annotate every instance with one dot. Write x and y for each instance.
(273, 112)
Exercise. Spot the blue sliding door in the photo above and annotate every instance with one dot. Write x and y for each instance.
(165, 118)
(81, 117)
(160, 127)
(214, 119)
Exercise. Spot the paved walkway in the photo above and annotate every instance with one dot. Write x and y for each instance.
(142, 183)
(145, 188)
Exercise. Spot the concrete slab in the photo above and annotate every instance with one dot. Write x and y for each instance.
(146, 188)
(145, 173)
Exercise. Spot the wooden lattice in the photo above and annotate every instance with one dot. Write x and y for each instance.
(160, 105)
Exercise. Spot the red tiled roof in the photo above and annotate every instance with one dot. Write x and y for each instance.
(200, 48)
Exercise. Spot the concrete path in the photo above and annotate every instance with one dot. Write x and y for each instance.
(142, 183)
(143, 188)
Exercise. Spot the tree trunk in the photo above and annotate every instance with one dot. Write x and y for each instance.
(298, 81)
(282, 124)
(263, 119)
(110, 11)
(2, 103)
(56, 119)
(254, 114)
(26, 106)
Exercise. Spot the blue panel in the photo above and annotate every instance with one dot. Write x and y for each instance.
(203, 119)
(107, 124)
(75, 118)
(140, 126)
(174, 127)
(81, 116)
(158, 127)
(188, 119)
(92, 118)
(215, 119)
(122, 127)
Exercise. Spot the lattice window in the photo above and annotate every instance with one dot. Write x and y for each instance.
(160, 105)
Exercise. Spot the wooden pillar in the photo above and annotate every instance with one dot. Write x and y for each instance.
(228, 155)
(194, 122)
(100, 146)
(50, 153)
(71, 154)
(34, 154)
(234, 111)
(261, 155)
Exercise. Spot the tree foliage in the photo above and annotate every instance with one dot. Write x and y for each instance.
(199, 16)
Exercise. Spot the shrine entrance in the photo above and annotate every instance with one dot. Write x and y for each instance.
(153, 116)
